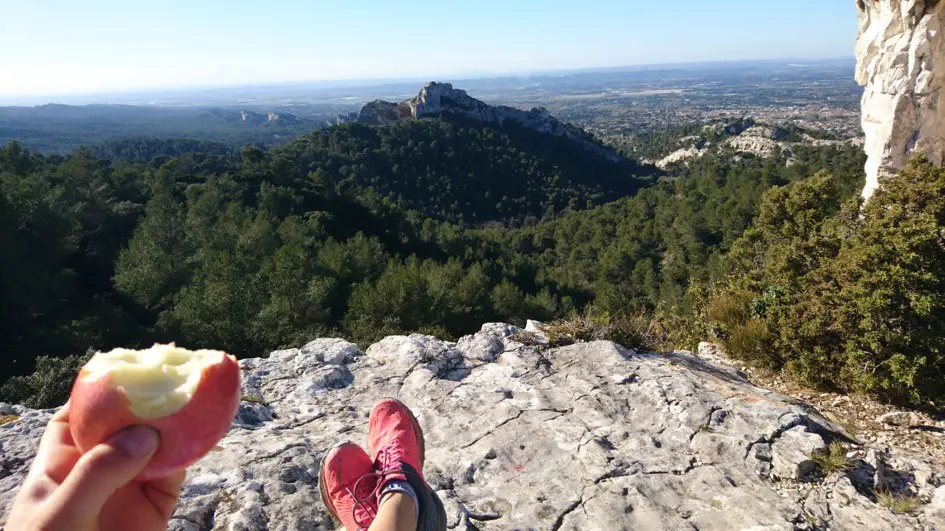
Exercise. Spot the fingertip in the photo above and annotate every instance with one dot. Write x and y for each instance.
(137, 441)
(62, 414)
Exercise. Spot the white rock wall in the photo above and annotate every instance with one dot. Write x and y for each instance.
(900, 59)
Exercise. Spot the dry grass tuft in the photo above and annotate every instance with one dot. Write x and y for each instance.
(252, 399)
(833, 459)
(899, 503)
(637, 331)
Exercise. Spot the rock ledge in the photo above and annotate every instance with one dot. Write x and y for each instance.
(588, 436)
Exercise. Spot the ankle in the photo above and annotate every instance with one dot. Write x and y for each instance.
(396, 511)
(400, 489)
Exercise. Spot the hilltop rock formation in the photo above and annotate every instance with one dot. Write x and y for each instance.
(441, 98)
(256, 118)
(521, 436)
(380, 112)
(900, 58)
(252, 117)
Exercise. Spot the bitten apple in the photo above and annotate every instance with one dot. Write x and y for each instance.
(190, 397)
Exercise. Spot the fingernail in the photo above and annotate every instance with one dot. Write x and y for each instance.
(137, 441)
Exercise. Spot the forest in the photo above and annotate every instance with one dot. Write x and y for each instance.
(60, 129)
(431, 225)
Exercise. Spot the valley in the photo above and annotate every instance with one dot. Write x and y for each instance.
(637, 198)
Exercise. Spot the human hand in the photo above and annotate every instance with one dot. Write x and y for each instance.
(68, 490)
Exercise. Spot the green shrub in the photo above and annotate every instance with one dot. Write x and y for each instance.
(841, 296)
(751, 341)
(729, 309)
(48, 386)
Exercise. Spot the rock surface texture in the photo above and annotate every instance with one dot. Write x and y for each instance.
(520, 436)
(900, 59)
(441, 98)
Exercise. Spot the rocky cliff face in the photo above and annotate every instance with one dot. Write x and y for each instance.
(379, 112)
(441, 98)
(900, 58)
(521, 436)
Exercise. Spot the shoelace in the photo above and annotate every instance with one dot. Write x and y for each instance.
(386, 464)
(363, 503)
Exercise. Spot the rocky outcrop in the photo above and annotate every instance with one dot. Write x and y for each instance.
(379, 112)
(755, 144)
(521, 436)
(680, 155)
(441, 98)
(252, 117)
(741, 137)
(255, 118)
(900, 58)
(283, 118)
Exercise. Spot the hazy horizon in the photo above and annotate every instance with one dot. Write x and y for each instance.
(106, 98)
(111, 47)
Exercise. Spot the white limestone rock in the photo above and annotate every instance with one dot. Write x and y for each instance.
(756, 145)
(900, 418)
(333, 351)
(712, 352)
(680, 155)
(900, 59)
(586, 436)
(791, 453)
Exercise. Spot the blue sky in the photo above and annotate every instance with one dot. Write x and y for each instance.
(59, 47)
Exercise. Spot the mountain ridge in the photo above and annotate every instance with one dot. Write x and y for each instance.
(441, 98)
(468, 162)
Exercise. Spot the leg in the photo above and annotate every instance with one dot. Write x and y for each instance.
(396, 444)
(397, 512)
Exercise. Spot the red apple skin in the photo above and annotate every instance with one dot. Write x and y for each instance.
(98, 410)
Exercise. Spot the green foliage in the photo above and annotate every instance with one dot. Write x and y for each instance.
(146, 149)
(848, 298)
(365, 231)
(124, 131)
(729, 309)
(62, 224)
(642, 252)
(418, 296)
(751, 341)
(48, 385)
(464, 172)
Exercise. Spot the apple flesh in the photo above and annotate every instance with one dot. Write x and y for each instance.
(189, 397)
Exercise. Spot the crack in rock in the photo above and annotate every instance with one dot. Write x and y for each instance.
(559, 521)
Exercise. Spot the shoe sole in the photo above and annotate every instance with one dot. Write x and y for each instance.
(416, 427)
(321, 484)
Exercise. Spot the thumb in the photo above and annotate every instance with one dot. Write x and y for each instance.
(103, 470)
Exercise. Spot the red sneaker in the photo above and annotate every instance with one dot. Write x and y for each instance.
(395, 437)
(347, 482)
